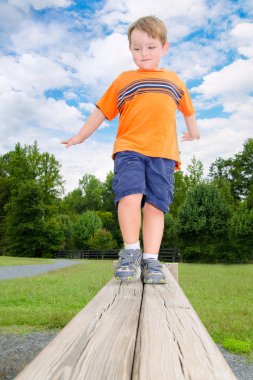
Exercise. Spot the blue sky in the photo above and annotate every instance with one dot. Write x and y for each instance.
(57, 57)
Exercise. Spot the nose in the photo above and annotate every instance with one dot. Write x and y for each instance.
(144, 52)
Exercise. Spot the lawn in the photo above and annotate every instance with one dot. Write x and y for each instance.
(221, 295)
(8, 260)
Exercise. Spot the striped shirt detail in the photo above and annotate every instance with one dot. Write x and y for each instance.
(149, 85)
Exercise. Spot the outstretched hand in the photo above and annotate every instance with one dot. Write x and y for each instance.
(187, 137)
(71, 141)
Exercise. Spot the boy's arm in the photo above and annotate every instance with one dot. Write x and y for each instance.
(193, 131)
(91, 124)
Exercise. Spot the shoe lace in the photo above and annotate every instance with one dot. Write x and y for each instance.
(153, 265)
(126, 257)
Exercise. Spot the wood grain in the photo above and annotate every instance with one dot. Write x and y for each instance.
(172, 342)
(99, 341)
(128, 332)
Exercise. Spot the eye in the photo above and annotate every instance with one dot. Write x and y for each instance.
(136, 49)
(151, 47)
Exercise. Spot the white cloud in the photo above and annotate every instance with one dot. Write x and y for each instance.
(40, 4)
(117, 15)
(31, 73)
(220, 137)
(19, 111)
(101, 63)
(243, 36)
(71, 52)
(234, 80)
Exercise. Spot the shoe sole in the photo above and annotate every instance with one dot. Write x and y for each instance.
(154, 281)
(128, 278)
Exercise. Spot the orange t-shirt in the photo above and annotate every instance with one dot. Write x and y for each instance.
(147, 101)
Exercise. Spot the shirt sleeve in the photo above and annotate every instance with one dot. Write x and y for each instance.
(185, 104)
(108, 102)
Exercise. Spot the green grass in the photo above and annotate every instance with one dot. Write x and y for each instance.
(50, 300)
(222, 297)
(13, 261)
(220, 294)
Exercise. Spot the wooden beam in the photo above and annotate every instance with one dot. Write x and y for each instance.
(172, 342)
(173, 268)
(99, 341)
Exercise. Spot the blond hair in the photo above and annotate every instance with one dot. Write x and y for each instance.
(152, 25)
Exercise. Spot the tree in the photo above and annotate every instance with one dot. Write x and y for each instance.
(237, 170)
(203, 222)
(85, 227)
(92, 189)
(195, 170)
(110, 223)
(108, 195)
(204, 211)
(241, 232)
(180, 190)
(73, 202)
(102, 239)
(169, 236)
(27, 163)
(24, 220)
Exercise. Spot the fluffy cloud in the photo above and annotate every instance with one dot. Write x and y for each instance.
(40, 4)
(19, 110)
(243, 36)
(220, 137)
(101, 63)
(79, 55)
(236, 78)
(119, 14)
(31, 73)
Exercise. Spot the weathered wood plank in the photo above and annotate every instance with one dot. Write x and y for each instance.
(172, 343)
(99, 341)
(173, 268)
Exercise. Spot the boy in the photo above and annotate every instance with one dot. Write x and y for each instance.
(146, 149)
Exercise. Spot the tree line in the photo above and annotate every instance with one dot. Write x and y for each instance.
(210, 220)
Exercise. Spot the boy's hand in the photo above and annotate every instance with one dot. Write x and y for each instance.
(72, 141)
(187, 137)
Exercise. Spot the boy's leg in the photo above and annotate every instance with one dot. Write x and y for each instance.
(152, 228)
(129, 215)
(152, 231)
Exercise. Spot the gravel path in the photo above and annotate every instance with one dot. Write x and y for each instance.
(32, 270)
(16, 351)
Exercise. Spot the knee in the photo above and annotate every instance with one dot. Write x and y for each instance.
(132, 200)
(151, 209)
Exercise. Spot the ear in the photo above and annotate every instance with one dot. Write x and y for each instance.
(166, 48)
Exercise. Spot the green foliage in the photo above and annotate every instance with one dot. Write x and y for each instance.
(102, 239)
(237, 170)
(110, 223)
(24, 221)
(108, 196)
(202, 224)
(27, 163)
(204, 212)
(170, 234)
(180, 190)
(73, 202)
(208, 221)
(195, 170)
(84, 228)
(92, 189)
(52, 236)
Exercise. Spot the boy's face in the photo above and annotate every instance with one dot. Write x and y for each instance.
(147, 51)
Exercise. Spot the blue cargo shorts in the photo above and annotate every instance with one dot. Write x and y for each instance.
(136, 173)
